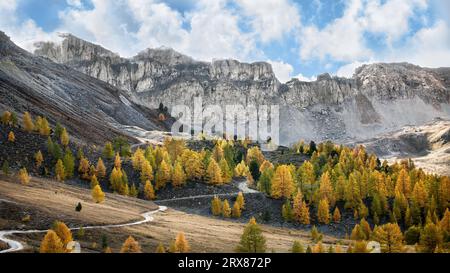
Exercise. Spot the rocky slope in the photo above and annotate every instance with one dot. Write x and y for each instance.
(428, 145)
(92, 110)
(379, 98)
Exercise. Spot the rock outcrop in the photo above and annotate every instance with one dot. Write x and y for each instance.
(378, 98)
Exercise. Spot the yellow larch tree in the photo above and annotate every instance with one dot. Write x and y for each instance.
(181, 244)
(403, 184)
(117, 161)
(64, 137)
(84, 168)
(63, 232)
(149, 192)
(51, 243)
(146, 171)
(240, 200)
(241, 169)
(282, 183)
(236, 211)
(97, 194)
(214, 173)
(100, 170)
(216, 206)
(326, 189)
(323, 212)
(390, 238)
(23, 176)
(178, 177)
(39, 158)
(11, 137)
(163, 175)
(226, 171)
(336, 215)
(60, 172)
(130, 246)
(226, 210)
(28, 124)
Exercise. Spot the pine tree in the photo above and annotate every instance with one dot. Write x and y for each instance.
(297, 247)
(11, 137)
(178, 177)
(149, 192)
(181, 244)
(51, 243)
(282, 183)
(236, 211)
(146, 171)
(240, 200)
(63, 232)
(97, 194)
(390, 238)
(336, 215)
(28, 122)
(214, 173)
(64, 138)
(323, 212)
(60, 172)
(108, 150)
(23, 176)
(216, 206)
(100, 170)
(252, 240)
(162, 175)
(160, 248)
(226, 210)
(39, 158)
(130, 246)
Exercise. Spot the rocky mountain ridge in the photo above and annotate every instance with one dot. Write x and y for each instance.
(378, 98)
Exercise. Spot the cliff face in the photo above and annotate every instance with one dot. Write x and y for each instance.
(379, 97)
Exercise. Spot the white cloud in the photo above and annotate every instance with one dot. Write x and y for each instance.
(348, 70)
(391, 18)
(341, 40)
(302, 78)
(75, 3)
(271, 19)
(282, 70)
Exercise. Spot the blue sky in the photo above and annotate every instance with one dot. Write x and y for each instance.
(299, 38)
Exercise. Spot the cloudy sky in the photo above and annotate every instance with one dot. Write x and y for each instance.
(300, 38)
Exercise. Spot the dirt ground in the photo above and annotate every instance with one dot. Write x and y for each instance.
(48, 201)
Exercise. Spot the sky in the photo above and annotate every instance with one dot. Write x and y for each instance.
(301, 39)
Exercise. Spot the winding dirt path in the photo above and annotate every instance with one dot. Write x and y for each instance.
(17, 246)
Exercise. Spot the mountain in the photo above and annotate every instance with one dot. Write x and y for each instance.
(92, 110)
(379, 98)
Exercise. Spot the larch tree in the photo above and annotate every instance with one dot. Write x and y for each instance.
(216, 206)
(240, 200)
(163, 175)
(265, 165)
(108, 150)
(307, 179)
(149, 192)
(97, 194)
(323, 212)
(390, 238)
(23, 176)
(178, 177)
(160, 248)
(236, 211)
(297, 204)
(403, 184)
(117, 161)
(84, 168)
(39, 158)
(28, 124)
(225, 170)
(146, 171)
(64, 137)
(11, 137)
(60, 171)
(297, 247)
(44, 128)
(63, 232)
(69, 163)
(282, 183)
(137, 159)
(181, 244)
(214, 173)
(51, 243)
(193, 165)
(241, 169)
(336, 215)
(326, 189)
(303, 217)
(100, 170)
(130, 246)
(94, 181)
(430, 238)
(255, 153)
(226, 210)
(252, 240)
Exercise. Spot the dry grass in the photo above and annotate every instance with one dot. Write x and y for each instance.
(203, 233)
